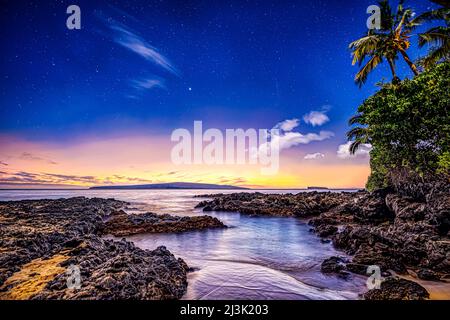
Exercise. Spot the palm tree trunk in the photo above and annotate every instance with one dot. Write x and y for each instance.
(409, 62)
(395, 79)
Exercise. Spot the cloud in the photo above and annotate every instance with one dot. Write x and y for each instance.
(316, 118)
(72, 178)
(313, 156)
(290, 139)
(64, 179)
(147, 84)
(31, 157)
(287, 125)
(231, 180)
(24, 174)
(3, 163)
(287, 138)
(343, 151)
(125, 179)
(130, 40)
(124, 36)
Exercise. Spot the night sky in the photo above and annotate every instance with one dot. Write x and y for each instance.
(145, 68)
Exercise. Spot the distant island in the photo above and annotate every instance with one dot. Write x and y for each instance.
(171, 185)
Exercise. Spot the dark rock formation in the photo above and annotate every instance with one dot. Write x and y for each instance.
(402, 234)
(325, 230)
(121, 224)
(426, 274)
(397, 289)
(335, 265)
(303, 204)
(119, 270)
(32, 229)
(40, 238)
(393, 230)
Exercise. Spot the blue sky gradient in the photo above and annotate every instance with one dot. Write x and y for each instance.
(154, 66)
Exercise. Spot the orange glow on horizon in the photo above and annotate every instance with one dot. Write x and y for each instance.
(141, 159)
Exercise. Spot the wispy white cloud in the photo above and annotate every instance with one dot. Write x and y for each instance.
(314, 156)
(124, 36)
(343, 151)
(316, 118)
(130, 40)
(149, 83)
(287, 125)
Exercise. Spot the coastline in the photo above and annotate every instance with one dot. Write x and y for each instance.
(319, 208)
(399, 234)
(42, 239)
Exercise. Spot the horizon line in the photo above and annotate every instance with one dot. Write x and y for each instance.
(237, 188)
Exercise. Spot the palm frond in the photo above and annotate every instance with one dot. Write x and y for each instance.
(356, 119)
(436, 55)
(437, 36)
(362, 75)
(363, 47)
(357, 133)
(354, 146)
(433, 15)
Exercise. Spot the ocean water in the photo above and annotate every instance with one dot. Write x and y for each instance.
(255, 258)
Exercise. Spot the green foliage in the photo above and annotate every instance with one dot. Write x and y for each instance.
(379, 173)
(444, 163)
(408, 125)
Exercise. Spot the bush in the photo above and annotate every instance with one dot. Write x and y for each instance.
(408, 125)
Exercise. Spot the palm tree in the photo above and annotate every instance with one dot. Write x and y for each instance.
(437, 37)
(358, 135)
(384, 44)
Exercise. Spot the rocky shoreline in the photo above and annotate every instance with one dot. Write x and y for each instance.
(399, 234)
(41, 239)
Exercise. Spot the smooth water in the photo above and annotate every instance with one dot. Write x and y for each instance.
(256, 258)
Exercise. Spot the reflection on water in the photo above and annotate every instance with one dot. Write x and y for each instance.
(256, 258)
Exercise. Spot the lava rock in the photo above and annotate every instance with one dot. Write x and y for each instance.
(335, 265)
(52, 235)
(326, 230)
(398, 289)
(427, 274)
(122, 224)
